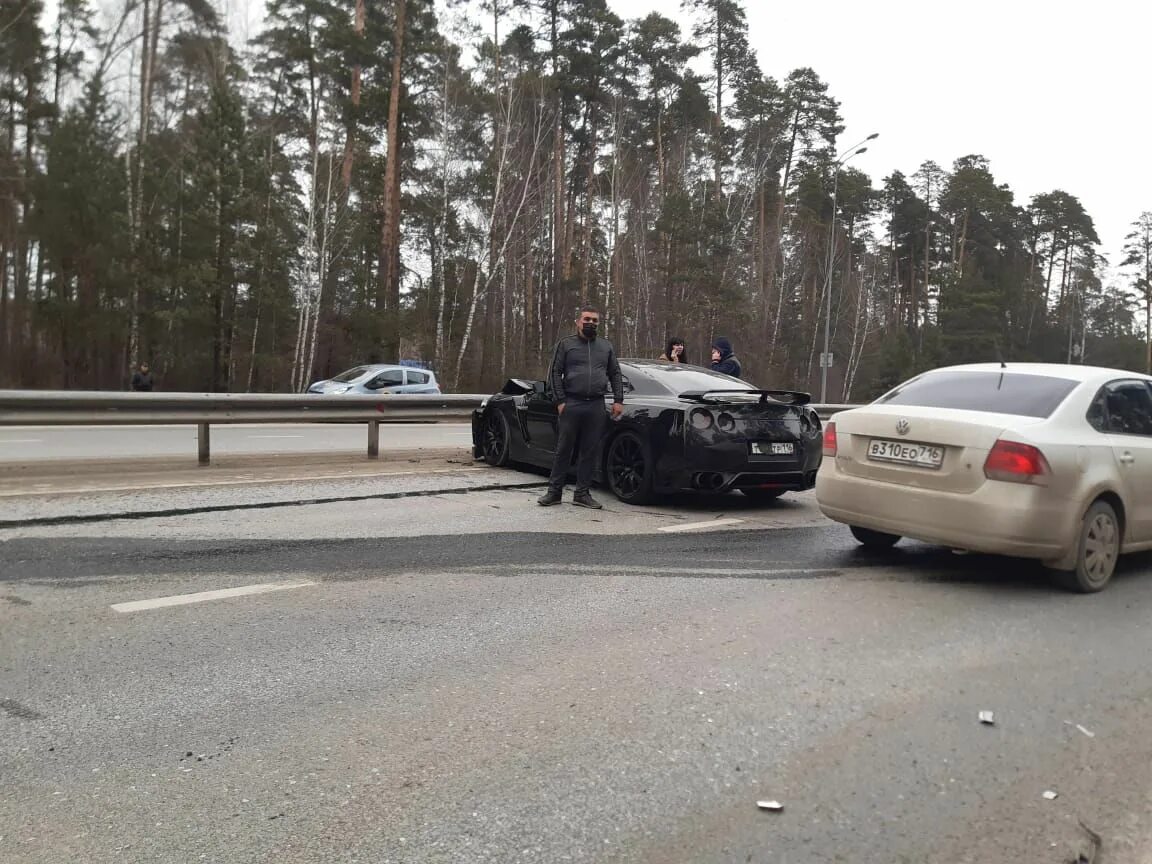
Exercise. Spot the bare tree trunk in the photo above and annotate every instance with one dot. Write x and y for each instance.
(325, 231)
(354, 99)
(589, 179)
(776, 260)
(962, 253)
(865, 314)
(150, 30)
(442, 228)
(252, 349)
(614, 187)
(389, 272)
(561, 263)
(311, 265)
(718, 129)
(481, 293)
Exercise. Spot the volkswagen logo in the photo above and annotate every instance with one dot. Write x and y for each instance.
(902, 426)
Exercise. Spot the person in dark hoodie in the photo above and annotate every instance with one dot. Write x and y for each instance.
(723, 360)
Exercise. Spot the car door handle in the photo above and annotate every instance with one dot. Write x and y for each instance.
(1127, 458)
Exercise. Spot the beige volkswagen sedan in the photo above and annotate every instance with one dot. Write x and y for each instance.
(1041, 461)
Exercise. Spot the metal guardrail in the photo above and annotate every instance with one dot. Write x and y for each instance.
(203, 410)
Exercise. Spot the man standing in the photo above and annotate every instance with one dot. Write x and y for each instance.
(142, 379)
(582, 368)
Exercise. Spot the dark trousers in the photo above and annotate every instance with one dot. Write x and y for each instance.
(583, 422)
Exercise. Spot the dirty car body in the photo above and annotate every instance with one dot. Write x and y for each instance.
(683, 428)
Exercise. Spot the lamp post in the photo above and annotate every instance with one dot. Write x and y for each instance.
(825, 356)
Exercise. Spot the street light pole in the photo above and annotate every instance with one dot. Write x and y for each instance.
(825, 358)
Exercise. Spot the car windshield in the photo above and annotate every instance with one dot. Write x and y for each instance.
(352, 374)
(992, 392)
(686, 379)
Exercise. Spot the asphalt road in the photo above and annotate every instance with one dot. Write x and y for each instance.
(466, 677)
(41, 443)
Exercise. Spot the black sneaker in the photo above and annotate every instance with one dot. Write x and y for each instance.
(550, 498)
(585, 499)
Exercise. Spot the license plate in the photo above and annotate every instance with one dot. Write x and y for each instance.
(772, 448)
(904, 453)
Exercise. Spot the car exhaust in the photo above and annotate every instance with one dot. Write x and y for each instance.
(709, 481)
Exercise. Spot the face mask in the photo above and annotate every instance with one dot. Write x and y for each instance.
(589, 330)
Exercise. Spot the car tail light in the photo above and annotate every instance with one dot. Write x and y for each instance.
(830, 438)
(1013, 462)
(701, 418)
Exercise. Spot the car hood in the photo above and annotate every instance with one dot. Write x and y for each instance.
(332, 386)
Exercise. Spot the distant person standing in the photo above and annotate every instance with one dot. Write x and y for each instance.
(723, 360)
(675, 352)
(142, 379)
(583, 367)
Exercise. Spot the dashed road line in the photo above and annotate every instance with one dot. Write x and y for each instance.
(700, 526)
(204, 596)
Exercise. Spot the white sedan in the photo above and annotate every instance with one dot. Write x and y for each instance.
(1040, 461)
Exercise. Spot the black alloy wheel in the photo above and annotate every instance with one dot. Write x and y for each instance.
(629, 469)
(495, 441)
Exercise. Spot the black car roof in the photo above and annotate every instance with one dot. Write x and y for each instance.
(652, 369)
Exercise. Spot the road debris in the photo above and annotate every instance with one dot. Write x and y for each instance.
(1094, 851)
(1087, 732)
(987, 718)
(1049, 795)
(774, 806)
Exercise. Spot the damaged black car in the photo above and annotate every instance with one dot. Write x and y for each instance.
(683, 428)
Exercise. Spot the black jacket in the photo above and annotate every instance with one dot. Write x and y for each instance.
(584, 369)
(142, 381)
(727, 364)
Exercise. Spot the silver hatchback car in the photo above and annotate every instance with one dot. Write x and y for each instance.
(379, 378)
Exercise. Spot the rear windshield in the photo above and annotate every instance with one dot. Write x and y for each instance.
(994, 392)
(686, 379)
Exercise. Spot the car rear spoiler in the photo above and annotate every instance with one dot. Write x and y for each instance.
(786, 397)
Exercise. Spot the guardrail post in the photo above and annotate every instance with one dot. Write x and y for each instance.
(373, 439)
(203, 443)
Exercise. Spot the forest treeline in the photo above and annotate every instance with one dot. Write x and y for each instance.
(376, 181)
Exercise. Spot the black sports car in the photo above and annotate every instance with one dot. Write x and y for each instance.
(683, 427)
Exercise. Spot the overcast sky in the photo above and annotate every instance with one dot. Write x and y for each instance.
(1055, 94)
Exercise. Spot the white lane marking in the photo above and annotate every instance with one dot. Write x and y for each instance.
(700, 526)
(202, 596)
(275, 436)
(45, 489)
(21, 441)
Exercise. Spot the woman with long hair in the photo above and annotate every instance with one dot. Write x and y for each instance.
(675, 353)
